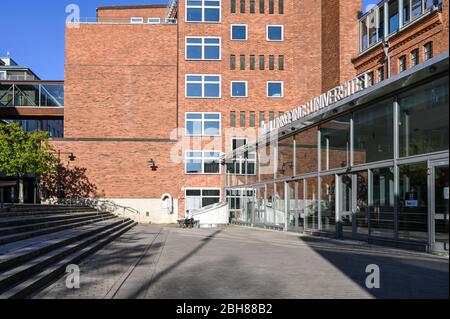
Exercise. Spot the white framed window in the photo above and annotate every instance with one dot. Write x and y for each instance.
(239, 88)
(203, 48)
(197, 198)
(202, 162)
(206, 86)
(136, 20)
(203, 11)
(154, 20)
(275, 33)
(275, 89)
(239, 32)
(203, 124)
(2, 75)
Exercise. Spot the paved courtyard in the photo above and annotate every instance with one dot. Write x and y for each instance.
(167, 262)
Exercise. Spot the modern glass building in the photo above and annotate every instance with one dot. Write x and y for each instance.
(372, 166)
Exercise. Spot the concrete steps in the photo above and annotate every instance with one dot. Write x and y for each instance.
(35, 253)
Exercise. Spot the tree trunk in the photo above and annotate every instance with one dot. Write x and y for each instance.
(21, 199)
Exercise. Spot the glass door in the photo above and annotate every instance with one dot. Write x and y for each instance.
(295, 206)
(439, 206)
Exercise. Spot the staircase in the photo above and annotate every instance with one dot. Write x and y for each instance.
(172, 11)
(38, 242)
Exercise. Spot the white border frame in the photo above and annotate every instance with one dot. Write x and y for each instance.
(141, 20)
(282, 90)
(246, 89)
(275, 25)
(159, 20)
(201, 192)
(239, 25)
(203, 11)
(203, 83)
(202, 45)
(202, 120)
(5, 73)
(203, 161)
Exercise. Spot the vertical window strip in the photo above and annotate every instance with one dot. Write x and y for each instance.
(252, 62)
(242, 6)
(281, 6)
(232, 62)
(261, 6)
(233, 119)
(271, 7)
(271, 62)
(281, 62)
(261, 62)
(233, 6)
(252, 6)
(242, 61)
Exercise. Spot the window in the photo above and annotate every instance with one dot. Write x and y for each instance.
(271, 116)
(370, 78)
(242, 119)
(335, 143)
(239, 32)
(381, 74)
(271, 62)
(244, 164)
(2, 75)
(238, 88)
(242, 61)
(271, 7)
(232, 62)
(242, 6)
(154, 20)
(202, 162)
(261, 62)
(275, 89)
(281, 6)
(281, 62)
(203, 124)
(198, 198)
(233, 119)
(428, 50)
(136, 20)
(275, 33)
(233, 6)
(402, 63)
(262, 117)
(199, 48)
(416, 8)
(261, 6)
(203, 11)
(252, 62)
(203, 86)
(252, 6)
(414, 57)
(252, 119)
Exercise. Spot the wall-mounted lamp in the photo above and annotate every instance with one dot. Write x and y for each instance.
(152, 164)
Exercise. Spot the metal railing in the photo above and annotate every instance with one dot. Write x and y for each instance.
(100, 205)
(106, 20)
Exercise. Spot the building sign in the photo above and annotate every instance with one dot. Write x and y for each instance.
(411, 200)
(331, 97)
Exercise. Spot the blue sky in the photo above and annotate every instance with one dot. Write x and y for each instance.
(33, 31)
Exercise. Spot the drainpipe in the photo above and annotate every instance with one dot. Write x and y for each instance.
(385, 40)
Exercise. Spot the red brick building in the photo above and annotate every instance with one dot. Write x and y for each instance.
(177, 86)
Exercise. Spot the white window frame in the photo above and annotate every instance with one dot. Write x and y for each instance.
(136, 20)
(154, 20)
(4, 75)
(201, 189)
(246, 89)
(239, 25)
(275, 25)
(202, 158)
(203, 7)
(203, 82)
(202, 121)
(275, 82)
(203, 45)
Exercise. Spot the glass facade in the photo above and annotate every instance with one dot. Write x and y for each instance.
(364, 174)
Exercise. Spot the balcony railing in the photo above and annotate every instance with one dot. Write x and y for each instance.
(31, 95)
(134, 21)
(18, 77)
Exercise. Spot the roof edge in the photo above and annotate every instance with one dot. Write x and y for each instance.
(143, 6)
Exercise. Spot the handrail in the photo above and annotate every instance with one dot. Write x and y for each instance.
(208, 208)
(100, 205)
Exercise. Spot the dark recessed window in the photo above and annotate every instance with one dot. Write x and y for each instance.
(252, 119)
(370, 78)
(414, 57)
(271, 7)
(428, 50)
(271, 116)
(232, 62)
(262, 117)
(233, 119)
(261, 62)
(402, 63)
(381, 74)
(280, 6)
(271, 62)
(252, 62)
(242, 119)
(242, 6)
(281, 62)
(242, 61)
(261, 6)
(233, 6)
(252, 6)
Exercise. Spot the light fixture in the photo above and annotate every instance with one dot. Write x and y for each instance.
(152, 164)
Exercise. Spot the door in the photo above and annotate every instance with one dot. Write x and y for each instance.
(439, 194)
(353, 204)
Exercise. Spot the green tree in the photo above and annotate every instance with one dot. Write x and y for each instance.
(23, 153)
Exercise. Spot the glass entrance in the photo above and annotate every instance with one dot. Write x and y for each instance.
(439, 206)
(295, 206)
